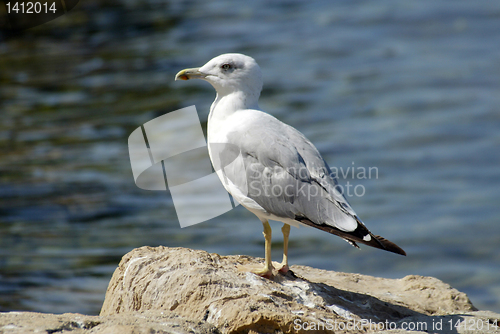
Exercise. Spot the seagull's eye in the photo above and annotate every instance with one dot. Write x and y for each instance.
(226, 67)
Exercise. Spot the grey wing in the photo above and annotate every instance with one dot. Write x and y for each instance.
(286, 175)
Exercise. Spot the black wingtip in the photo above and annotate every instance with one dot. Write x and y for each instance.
(361, 234)
(376, 240)
(389, 245)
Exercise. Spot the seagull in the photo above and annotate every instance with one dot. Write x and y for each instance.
(283, 176)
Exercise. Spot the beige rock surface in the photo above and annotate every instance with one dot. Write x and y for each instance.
(209, 288)
(150, 322)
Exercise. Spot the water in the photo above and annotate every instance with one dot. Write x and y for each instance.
(407, 89)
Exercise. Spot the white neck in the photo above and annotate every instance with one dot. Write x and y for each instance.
(226, 105)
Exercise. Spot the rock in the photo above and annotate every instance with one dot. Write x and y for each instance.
(208, 288)
(152, 322)
(178, 290)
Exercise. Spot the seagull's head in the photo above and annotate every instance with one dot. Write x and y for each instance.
(228, 73)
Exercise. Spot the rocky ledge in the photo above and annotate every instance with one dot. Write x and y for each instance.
(178, 290)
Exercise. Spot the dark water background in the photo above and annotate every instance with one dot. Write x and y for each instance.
(411, 88)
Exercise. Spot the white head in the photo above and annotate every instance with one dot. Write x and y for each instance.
(228, 73)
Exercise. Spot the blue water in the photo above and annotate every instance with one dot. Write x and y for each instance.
(408, 89)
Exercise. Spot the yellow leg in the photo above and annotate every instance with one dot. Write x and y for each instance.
(286, 233)
(267, 270)
(268, 265)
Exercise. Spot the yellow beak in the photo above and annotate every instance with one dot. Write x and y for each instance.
(190, 73)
